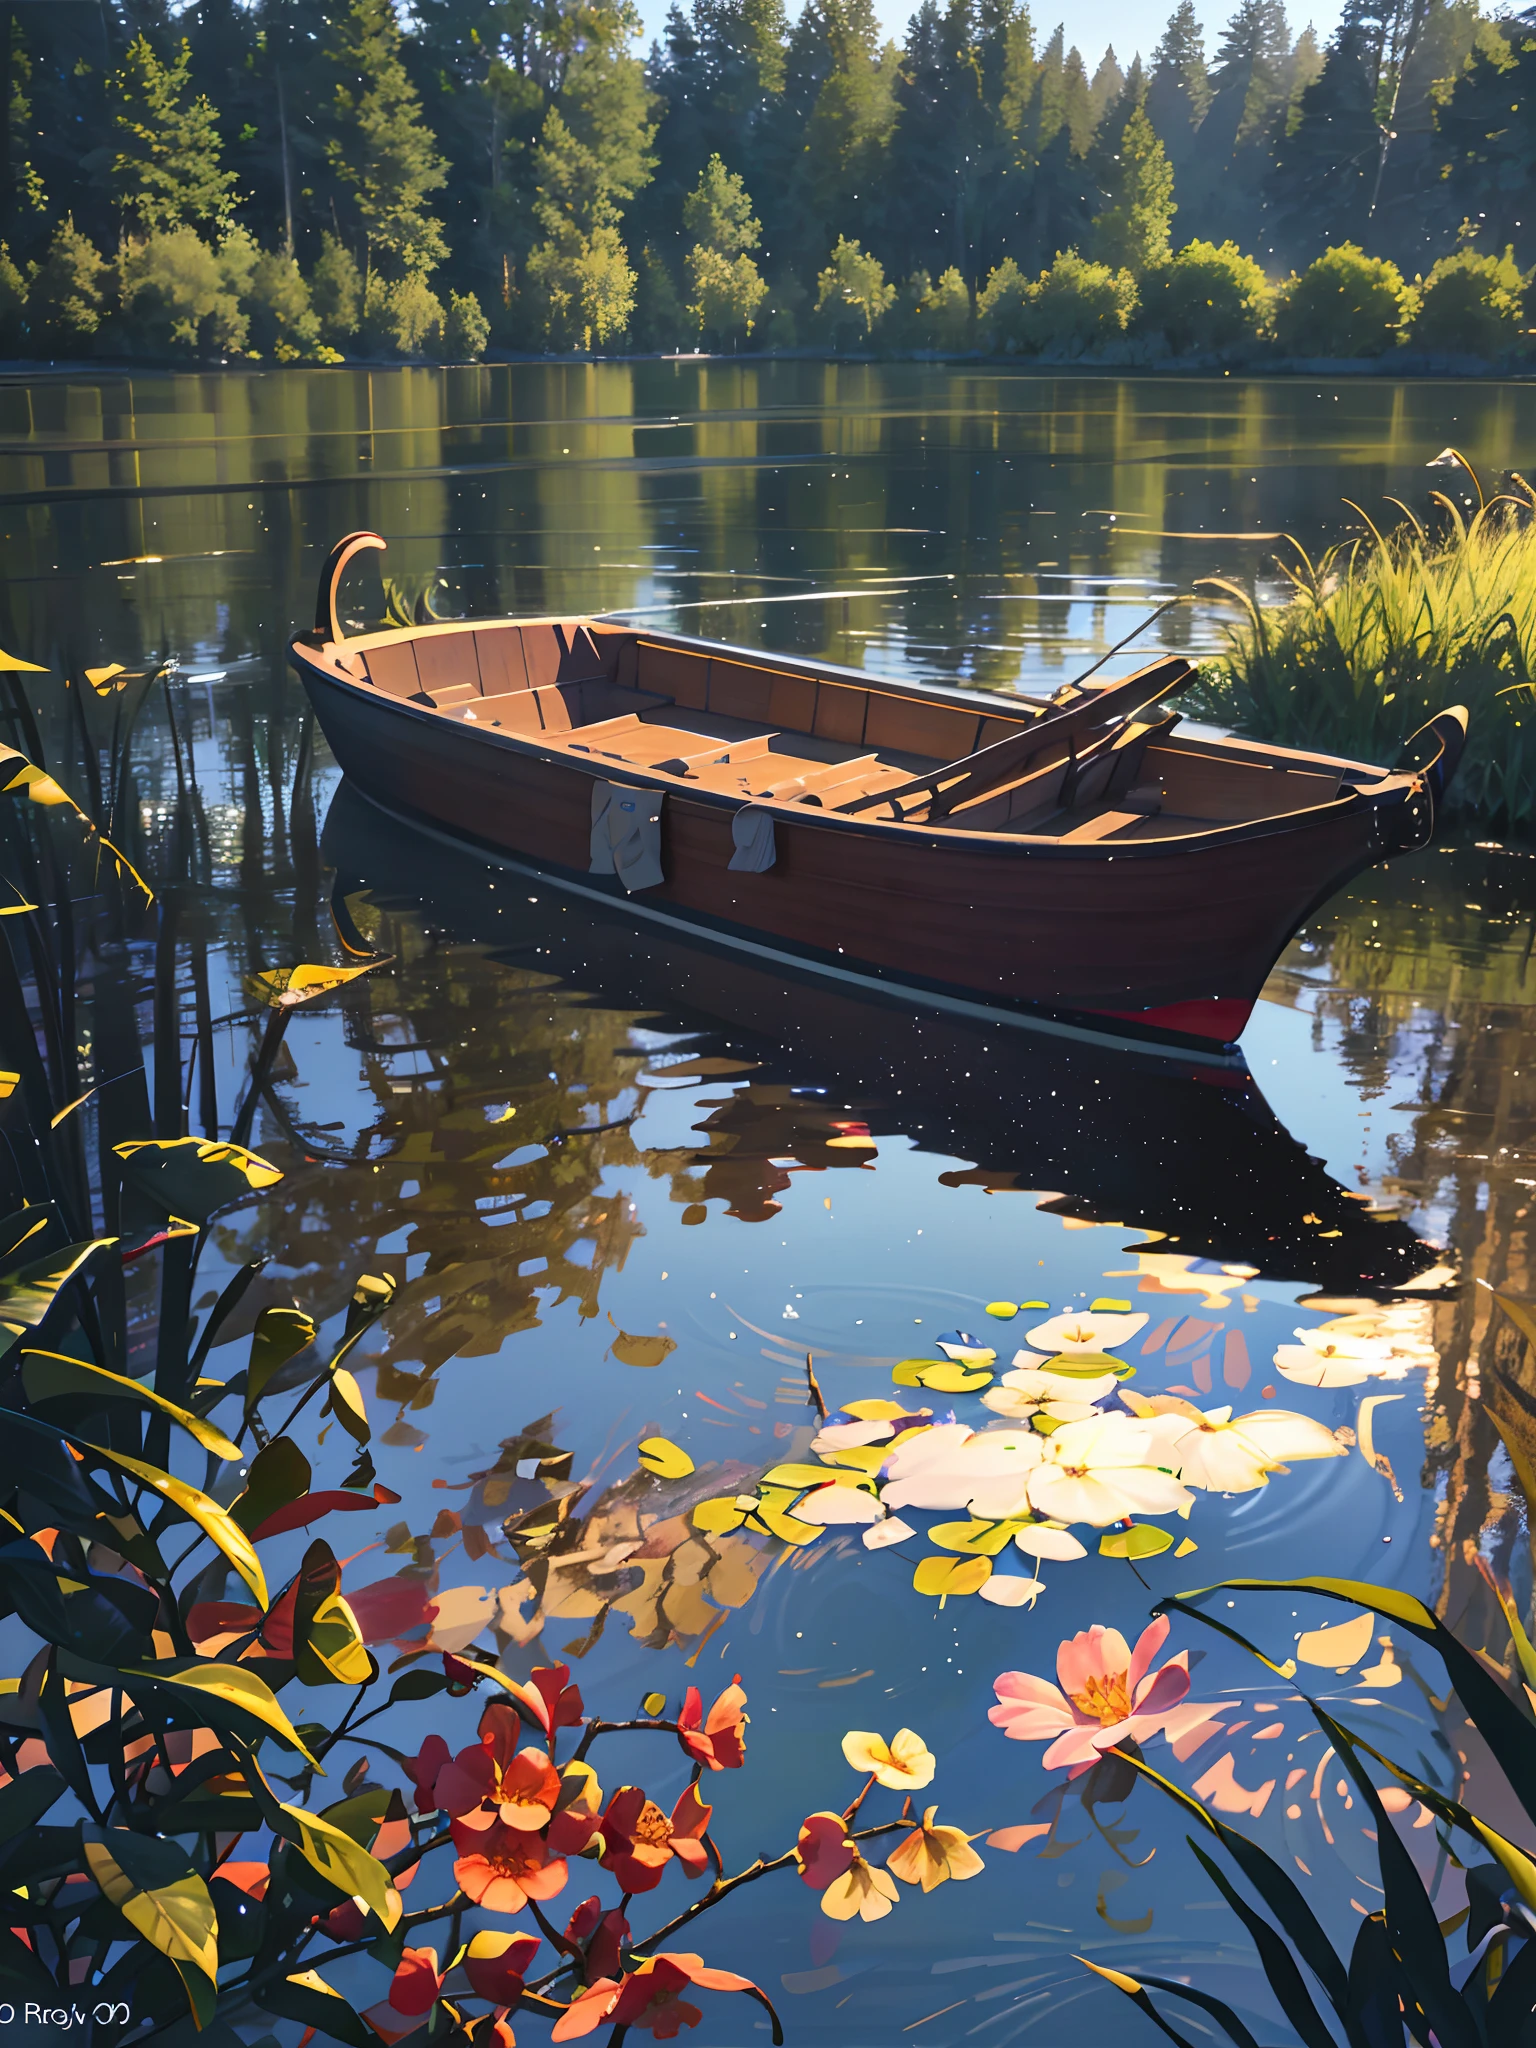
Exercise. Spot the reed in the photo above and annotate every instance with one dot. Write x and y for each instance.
(1389, 628)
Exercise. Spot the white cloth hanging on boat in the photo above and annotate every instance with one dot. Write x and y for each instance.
(753, 833)
(626, 834)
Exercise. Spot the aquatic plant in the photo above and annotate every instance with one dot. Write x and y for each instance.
(1399, 1981)
(1385, 630)
(166, 1855)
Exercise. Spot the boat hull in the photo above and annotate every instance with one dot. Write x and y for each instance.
(1169, 939)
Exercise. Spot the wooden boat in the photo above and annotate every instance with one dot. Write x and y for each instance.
(1074, 862)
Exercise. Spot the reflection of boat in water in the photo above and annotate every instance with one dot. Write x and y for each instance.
(1074, 859)
(1193, 1152)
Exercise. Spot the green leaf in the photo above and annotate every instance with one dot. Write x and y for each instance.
(279, 1473)
(1411, 1919)
(214, 1521)
(309, 2000)
(345, 1402)
(51, 1376)
(1276, 1960)
(152, 1884)
(1274, 1885)
(233, 1688)
(1145, 1540)
(329, 1850)
(25, 1800)
(28, 1293)
(280, 1334)
(22, 1976)
(1135, 1990)
(193, 1177)
(327, 1642)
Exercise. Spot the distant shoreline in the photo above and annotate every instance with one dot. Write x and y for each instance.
(1409, 366)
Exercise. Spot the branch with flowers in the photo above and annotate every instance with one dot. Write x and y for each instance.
(517, 1818)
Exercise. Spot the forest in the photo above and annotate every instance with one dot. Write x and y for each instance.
(324, 180)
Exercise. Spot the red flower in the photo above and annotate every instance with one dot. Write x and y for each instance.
(641, 1841)
(603, 1936)
(823, 1851)
(549, 1701)
(502, 1868)
(719, 1743)
(417, 1981)
(496, 1964)
(424, 1768)
(648, 1998)
(494, 1779)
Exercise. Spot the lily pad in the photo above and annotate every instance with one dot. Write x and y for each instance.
(939, 1577)
(1088, 1365)
(667, 1460)
(1005, 1311)
(975, 1539)
(718, 1517)
(637, 1349)
(1141, 1542)
(942, 1375)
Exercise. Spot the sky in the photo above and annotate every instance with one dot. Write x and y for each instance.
(1131, 25)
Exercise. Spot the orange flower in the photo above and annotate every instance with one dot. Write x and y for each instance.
(641, 1841)
(495, 1780)
(649, 1998)
(719, 1743)
(502, 1868)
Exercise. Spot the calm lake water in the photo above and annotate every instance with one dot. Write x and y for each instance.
(564, 1134)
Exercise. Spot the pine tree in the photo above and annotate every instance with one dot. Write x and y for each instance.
(1320, 191)
(1130, 231)
(167, 166)
(1179, 90)
(380, 148)
(852, 123)
(594, 155)
(1488, 140)
(965, 77)
(1251, 63)
(1107, 85)
(725, 285)
(1077, 102)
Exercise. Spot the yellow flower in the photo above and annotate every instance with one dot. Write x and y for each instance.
(905, 1764)
(862, 1892)
(931, 1855)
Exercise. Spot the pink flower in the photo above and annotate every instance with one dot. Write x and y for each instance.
(1108, 1693)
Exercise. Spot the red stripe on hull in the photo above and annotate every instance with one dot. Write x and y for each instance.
(1221, 1019)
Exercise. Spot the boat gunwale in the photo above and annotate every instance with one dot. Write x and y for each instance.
(804, 665)
(1389, 789)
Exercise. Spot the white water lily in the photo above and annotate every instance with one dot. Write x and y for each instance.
(1218, 1454)
(831, 1506)
(881, 1535)
(1082, 1332)
(1330, 1356)
(852, 1436)
(1101, 1471)
(1041, 1540)
(1025, 1392)
(951, 1466)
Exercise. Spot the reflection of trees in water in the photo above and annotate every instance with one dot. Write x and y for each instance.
(1432, 996)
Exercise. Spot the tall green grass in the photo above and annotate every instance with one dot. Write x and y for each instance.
(1387, 629)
